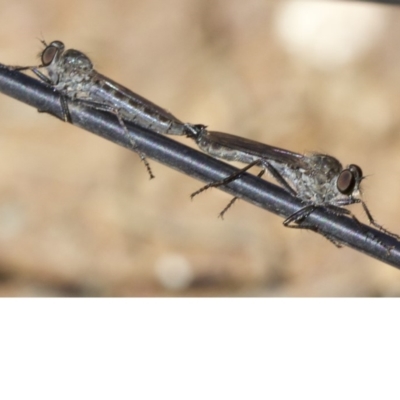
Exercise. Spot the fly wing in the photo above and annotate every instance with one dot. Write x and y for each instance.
(257, 149)
(134, 99)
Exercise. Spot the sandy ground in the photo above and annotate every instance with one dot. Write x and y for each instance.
(78, 214)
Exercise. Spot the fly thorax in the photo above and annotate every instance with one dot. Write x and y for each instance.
(321, 178)
(74, 72)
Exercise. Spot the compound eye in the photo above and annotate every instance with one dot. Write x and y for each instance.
(346, 181)
(357, 172)
(48, 55)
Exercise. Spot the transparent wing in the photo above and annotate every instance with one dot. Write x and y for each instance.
(124, 94)
(257, 149)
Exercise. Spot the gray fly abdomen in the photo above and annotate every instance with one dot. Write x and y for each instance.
(209, 144)
(132, 107)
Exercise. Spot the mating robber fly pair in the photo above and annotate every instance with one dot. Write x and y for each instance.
(318, 180)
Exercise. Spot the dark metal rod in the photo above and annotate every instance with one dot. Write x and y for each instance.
(389, 2)
(200, 166)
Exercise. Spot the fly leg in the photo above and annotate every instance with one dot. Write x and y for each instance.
(299, 218)
(230, 204)
(104, 107)
(374, 223)
(227, 180)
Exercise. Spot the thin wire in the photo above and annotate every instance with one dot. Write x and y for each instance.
(201, 166)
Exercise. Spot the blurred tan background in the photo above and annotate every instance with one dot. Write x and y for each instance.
(78, 214)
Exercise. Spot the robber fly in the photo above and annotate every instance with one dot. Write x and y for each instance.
(318, 180)
(71, 73)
